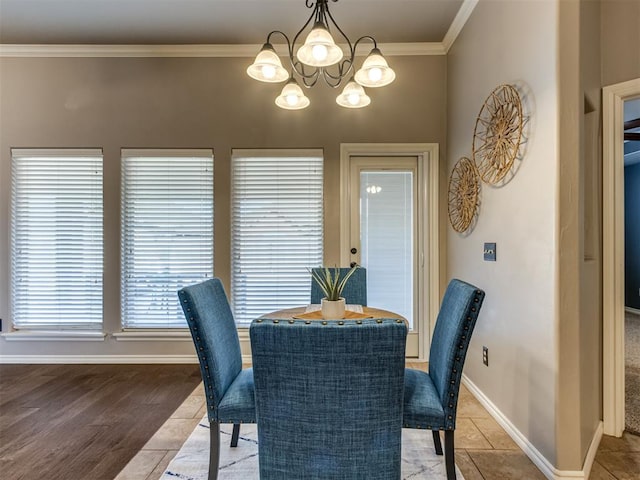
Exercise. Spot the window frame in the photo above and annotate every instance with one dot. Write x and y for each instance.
(176, 321)
(244, 312)
(86, 243)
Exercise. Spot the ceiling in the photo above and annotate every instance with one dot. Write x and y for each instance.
(149, 22)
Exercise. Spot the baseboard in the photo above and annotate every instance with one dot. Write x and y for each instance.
(632, 310)
(106, 359)
(539, 460)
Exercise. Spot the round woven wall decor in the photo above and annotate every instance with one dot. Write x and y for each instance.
(498, 134)
(464, 189)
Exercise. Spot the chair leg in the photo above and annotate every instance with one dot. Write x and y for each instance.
(449, 458)
(235, 434)
(214, 450)
(436, 441)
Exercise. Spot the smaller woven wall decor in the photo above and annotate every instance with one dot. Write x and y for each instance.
(498, 134)
(464, 190)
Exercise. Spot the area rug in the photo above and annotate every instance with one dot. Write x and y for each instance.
(419, 460)
(632, 373)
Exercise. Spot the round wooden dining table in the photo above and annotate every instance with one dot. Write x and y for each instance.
(300, 312)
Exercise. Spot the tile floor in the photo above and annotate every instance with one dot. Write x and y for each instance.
(483, 449)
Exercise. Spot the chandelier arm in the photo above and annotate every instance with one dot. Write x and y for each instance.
(344, 68)
(311, 17)
(286, 39)
(364, 37)
(298, 67)
(331, 80)
(344, 35)
(310, 81)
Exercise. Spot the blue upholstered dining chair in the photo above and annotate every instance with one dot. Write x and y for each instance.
(329, 398)
(355, 291)
(431, 399)
(228, 388)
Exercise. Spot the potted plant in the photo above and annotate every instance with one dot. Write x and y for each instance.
(333, 305)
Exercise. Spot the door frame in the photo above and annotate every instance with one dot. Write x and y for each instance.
(428, 221)
(613, 402)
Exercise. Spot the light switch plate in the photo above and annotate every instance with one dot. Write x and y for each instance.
(490, 252)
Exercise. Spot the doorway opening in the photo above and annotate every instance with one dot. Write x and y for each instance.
(613, 354)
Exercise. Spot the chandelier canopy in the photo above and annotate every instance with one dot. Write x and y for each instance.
(312, 59)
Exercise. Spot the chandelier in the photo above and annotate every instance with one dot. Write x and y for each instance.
(312, 58)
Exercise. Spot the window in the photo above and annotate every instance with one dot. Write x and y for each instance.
(166, 232)
(276, 229)
(56, 239)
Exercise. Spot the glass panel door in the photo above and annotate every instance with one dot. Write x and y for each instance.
(383, 235)
(386, 238)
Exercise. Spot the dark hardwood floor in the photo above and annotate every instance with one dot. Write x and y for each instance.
(83, 422)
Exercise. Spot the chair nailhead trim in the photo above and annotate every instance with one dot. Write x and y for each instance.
(292, 321)
(259, 320)
(276, 321)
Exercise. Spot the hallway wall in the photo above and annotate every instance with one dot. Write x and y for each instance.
(518, 318)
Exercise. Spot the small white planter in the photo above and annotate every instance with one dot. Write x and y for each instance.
(333, 309)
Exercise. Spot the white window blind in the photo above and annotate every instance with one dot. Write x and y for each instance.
(56, 239)
(166, 232)
(276, 229)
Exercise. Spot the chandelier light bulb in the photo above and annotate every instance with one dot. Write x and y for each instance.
(375, 74)
(268, 71)
(319, 49)
(319, 52)
(267, 66)
(353, 96)
(353, 99)
(292, 97)
(375, 71)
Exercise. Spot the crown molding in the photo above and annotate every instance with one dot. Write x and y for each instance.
(15, 50)
(458, 23)
(210, 51)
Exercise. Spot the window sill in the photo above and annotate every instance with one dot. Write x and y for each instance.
(53, 336)
(153, 336)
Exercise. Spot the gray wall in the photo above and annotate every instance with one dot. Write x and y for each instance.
(513, 43)
(632, 235)
(620, 40)
(113, 103)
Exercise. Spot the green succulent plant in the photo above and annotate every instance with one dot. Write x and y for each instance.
(330, 282)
